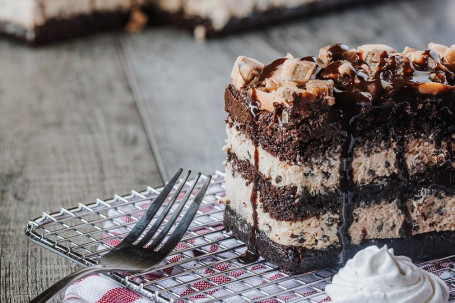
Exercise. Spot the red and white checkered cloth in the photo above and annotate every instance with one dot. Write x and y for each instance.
(100, 289)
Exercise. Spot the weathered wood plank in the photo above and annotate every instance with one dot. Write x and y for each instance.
(182, 84)
(398, 24)
(69, 133)
(182, 81)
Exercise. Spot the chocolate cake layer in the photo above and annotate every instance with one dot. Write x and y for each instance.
(59, 29)
(294, 259)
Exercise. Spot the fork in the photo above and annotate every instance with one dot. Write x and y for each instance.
(133, 255)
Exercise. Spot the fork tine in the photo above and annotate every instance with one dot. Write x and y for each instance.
(163, 214)
(182, 227)
(174, 217)
(144, 221)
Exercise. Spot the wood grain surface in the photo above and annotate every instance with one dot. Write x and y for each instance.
(106, 114)
(69, 132)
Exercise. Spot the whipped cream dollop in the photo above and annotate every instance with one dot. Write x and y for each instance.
(377, 275)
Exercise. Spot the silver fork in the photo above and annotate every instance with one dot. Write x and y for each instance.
(133, 257)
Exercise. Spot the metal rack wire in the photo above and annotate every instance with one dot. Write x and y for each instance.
(203, 268)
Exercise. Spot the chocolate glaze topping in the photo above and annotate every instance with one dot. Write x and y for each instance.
(373, 76)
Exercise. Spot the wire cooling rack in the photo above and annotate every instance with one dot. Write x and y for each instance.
(204, 267)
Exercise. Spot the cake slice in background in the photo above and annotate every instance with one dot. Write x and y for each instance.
(211, 18)
(332, 153)
(41, 21)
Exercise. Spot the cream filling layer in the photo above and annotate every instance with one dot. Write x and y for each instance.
(319, 176)
(422, 153)
(380, 162)
(432, 212)
(376, 221)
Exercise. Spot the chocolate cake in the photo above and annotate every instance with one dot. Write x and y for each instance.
(212, 18)
(41, 21)
(330, 154)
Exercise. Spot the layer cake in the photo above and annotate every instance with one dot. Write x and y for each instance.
(41, 21)
(329, 154)
(211, 18)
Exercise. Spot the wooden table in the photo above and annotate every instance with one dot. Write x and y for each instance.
(106, 114)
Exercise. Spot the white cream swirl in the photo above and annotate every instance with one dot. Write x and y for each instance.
(377, 275)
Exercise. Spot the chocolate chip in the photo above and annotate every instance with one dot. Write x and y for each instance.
(330, 221)
(380, 226)
(415, 226)
(364, 233)
(278, 179)
(440, 211)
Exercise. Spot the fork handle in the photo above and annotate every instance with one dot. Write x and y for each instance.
(49, 293)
